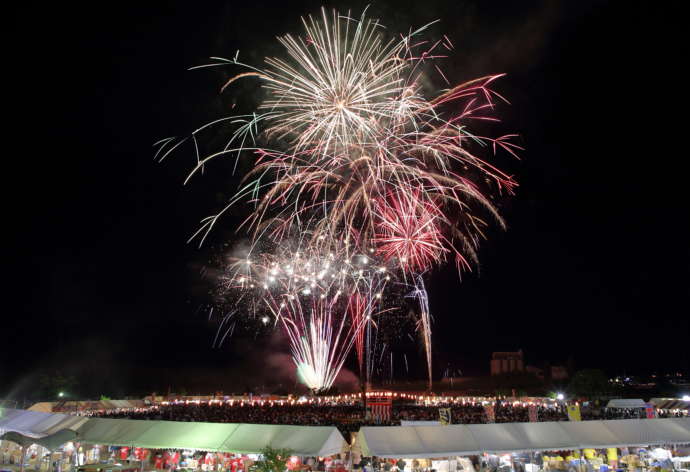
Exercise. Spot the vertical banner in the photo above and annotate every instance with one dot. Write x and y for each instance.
(380, 409)
(612, 457)
(444, 416)
(532, 412)
(650, 410)
(490, 413)
(574, 412)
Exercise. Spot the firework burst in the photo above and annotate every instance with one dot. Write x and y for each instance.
(349, 107)
(356, 158)
(407, 230)
(322, 297)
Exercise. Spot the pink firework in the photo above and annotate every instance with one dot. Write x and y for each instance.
(407, 229)
(358, 312)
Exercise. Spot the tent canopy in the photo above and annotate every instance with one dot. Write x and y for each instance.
(50, 442)
(223, 437)
(76, 405)
(462, 440)
(671, 403)
(626, 403)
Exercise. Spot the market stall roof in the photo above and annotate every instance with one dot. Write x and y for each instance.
(643, 432)
(417, 441)
(50, 442)
(671, 403)
(79, 405)
(626, 403)
(459, 440)
(36, 424)
(225, 437)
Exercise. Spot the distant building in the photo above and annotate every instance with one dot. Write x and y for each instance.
(504, 362)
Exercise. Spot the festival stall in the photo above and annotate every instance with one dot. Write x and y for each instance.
(73, 406)
(223, 437)
(672, 405)
(463, 440)
(626, 403)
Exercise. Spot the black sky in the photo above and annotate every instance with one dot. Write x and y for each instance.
(594, 264)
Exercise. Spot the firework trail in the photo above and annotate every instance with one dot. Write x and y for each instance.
(420, 294)
(356, 309)
(319, 341)
(324, 299)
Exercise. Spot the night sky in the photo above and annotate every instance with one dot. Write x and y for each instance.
(101, 283)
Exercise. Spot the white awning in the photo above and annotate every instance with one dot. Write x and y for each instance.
(37, 424)
(460, 440)
(222, 437)
(417, 441)
(50, 442)
(671, 403)
(626, 403)
(68, 407)
(507, 437)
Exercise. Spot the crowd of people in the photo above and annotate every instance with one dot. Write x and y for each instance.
(349, 416)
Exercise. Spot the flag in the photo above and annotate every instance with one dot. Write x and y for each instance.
(649, 409)
(380, 409)
(574, 412)
(490, 413)
(532, 412)
(444, 416)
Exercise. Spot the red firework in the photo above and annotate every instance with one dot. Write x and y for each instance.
(357, 310)
(407, 229)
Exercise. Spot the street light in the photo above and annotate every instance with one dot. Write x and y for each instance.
(686, 398)
(61, 394)
(560, 396)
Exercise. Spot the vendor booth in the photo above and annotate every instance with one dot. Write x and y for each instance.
(472, 439)
(53, 429)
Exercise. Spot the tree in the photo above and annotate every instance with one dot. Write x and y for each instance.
(589, 383)
(524, 382)
(272, 460)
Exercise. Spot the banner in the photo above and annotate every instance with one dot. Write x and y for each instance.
(532, 412)
(380, 409)
(419, 423)
(574, 412)
(444, 416)
(650, 410)
(490, 413)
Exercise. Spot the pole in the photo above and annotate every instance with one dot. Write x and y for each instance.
(364, 399)
(23, 459)
(350, 461)
(366, 367)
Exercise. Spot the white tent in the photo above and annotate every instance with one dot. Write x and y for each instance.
(222, 437)
(50, 442)
(417, 441)
(459, 440)
(671, 403)
(76, 405)
(37, 424)
(591, 434)
(626, 403)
